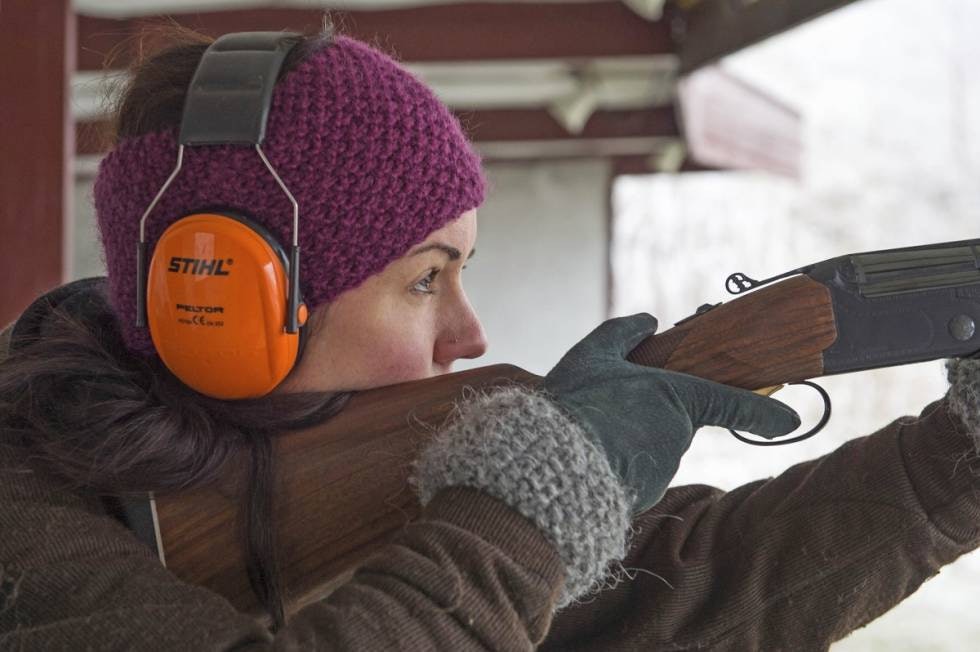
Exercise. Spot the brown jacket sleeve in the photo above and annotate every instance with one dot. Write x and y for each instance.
(797, 561)
(471, 574)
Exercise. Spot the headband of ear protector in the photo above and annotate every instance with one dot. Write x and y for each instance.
(221, 296)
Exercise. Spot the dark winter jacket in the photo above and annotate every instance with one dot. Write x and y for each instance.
(794, 562)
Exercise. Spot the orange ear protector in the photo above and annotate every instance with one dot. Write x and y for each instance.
(220, 295)
(216, 304)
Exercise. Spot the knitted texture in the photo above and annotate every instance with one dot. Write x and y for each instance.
(374, 159)
(519, 448)
(964, 393)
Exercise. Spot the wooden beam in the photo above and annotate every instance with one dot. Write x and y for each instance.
(708, 30)
(100, 38)
(538, 124)
(504, 125)
(36, 143)
(451, 32)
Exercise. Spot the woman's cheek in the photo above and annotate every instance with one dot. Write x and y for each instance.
(400, 359)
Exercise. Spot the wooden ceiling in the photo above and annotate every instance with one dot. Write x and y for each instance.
(528, 79)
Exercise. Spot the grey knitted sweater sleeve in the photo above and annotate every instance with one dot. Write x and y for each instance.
(964, 394)
(517, 446)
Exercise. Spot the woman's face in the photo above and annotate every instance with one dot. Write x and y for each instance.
(410, 321)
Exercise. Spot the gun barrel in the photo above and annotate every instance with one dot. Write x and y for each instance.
(912, 269)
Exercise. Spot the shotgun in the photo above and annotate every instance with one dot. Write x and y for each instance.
(342, 486)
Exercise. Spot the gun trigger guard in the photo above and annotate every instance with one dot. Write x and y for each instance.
(823, 420)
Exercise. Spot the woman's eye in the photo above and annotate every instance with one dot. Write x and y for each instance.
(424, 286)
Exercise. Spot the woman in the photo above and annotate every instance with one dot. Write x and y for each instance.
(387, 191)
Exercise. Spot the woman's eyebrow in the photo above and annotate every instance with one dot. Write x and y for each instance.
(452, 252)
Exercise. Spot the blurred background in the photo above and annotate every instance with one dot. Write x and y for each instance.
(639, 151)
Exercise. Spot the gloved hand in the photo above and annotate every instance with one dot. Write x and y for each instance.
(643, 418)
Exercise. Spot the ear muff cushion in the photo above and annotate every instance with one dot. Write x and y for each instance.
(216, 304)
(280, 252)
(265, 233)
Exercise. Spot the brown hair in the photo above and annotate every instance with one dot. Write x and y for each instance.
(77, 406)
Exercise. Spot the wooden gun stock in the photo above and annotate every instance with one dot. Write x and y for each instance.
(342, 487)
(772, 336)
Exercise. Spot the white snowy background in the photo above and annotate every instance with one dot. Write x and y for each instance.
(890, 96)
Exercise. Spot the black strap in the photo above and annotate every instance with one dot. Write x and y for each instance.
(136, 513)
(229, 96)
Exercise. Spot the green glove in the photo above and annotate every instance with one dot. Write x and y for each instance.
(643, 418)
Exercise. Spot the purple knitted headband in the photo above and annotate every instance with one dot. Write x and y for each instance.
(374, 159)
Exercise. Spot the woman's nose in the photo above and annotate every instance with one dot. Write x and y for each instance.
(475, 343)
(464, 338)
